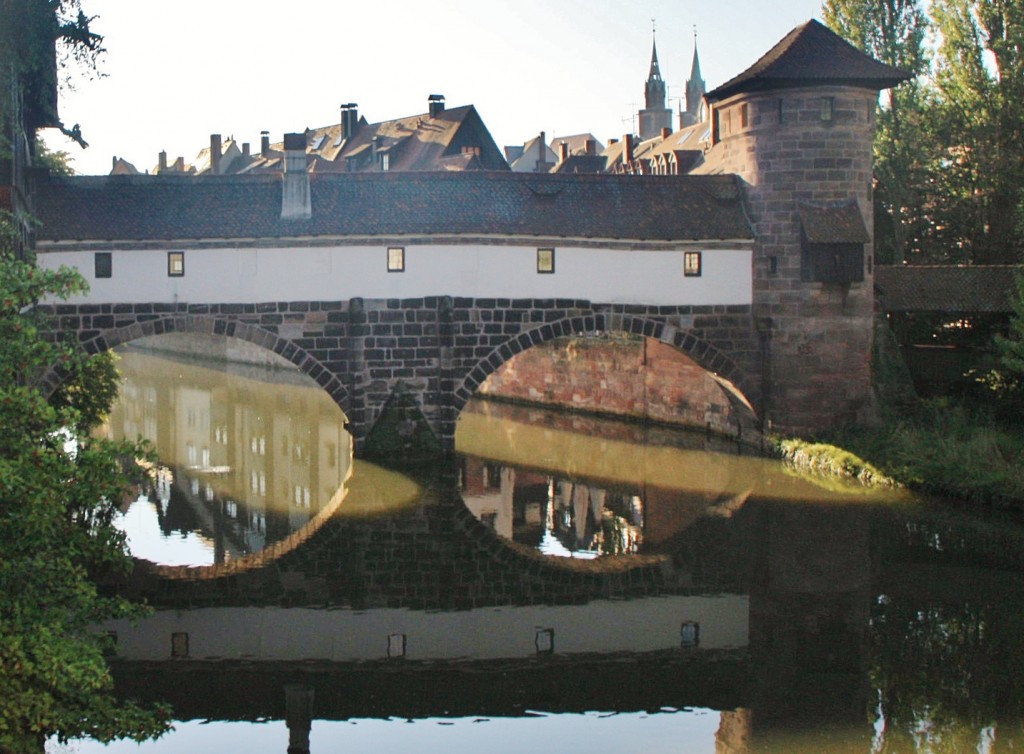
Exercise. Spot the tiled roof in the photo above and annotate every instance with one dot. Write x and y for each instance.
(811, 54)
(971, 289)
(581, 163)
(843, 224)
(651, 208)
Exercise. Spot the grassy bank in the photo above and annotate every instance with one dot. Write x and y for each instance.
(942, 447)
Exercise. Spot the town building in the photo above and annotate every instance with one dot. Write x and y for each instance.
(757, 261)
(438, 139)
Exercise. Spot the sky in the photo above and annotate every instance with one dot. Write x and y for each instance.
(176, 71)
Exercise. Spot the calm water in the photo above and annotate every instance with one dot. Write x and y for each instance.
(567, 584)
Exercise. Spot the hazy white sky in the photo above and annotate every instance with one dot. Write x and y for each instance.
(175, 72)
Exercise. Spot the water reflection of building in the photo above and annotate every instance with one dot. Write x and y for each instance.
(557, 516)
(246, 460)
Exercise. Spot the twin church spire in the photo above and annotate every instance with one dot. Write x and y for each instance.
(656, 114)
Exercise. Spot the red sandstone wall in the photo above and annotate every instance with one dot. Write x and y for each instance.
(635, 377)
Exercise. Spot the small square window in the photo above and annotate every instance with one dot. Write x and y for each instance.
(396, 259)
(692, 264)
(104, 264)
(176, 264)
(546, 261)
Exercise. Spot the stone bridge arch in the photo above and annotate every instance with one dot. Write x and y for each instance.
(742, 392)
(107, 339)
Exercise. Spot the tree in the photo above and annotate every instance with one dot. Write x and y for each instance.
(979, 73)
(59, 491)
(894, 31)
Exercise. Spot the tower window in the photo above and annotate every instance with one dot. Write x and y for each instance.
(743, 115)
(827, 108)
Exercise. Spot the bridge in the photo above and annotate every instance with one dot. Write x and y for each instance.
(410, 289)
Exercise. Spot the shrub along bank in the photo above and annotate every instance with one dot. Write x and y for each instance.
(954, 448)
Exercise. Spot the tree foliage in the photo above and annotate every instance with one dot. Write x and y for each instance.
(949, 145)
(59, 492)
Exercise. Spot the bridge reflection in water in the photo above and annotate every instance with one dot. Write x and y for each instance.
(801, 616)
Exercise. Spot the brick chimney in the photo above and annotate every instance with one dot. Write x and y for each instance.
(665, 133)
(563, 151)
(435, 105)
(349, 120)
(162, 161)
(296, 203)
(627, 149)
(264, 143)
(590, 147)
(215, 154)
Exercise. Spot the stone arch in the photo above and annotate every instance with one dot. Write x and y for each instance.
(740, 390)
(212, 325)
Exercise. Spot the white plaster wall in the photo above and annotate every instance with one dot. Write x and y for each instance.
(641, 625)
(249, 275)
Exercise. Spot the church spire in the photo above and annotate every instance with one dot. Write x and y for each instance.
(654, 91)
(695, 88)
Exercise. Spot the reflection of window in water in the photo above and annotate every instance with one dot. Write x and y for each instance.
(492, 476)
(489, 519)
(231, 509)
(331, 453)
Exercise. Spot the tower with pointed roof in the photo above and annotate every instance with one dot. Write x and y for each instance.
(797, 128)
(695, 91)
(655, 116)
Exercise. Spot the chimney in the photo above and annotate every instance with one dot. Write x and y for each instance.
(296, 203)
(113, 163)
(349, 120)
(162, 161)
(245, 149)
(627, 149)
(435, 105)
(214, 154)
(590, 147)
(264, 143)
(665, 133)
(563, 151)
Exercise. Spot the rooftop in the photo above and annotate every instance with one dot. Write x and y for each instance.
(647, 208)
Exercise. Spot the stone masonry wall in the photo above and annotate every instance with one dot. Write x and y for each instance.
(437, 349)
(820, 334)
(635, 377)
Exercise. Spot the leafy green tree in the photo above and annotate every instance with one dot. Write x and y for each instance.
(59, 492)
(894, 32)
(979, 74)
(1011, 346)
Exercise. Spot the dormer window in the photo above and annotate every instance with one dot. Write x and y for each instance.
(832, 240)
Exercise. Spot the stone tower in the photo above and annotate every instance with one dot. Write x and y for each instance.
(797, 128)
(655, 115)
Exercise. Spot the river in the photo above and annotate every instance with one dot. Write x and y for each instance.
(567, 582)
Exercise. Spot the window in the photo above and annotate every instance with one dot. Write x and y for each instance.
(104, 264)
(396, 259)
(385, 163)
(546, 261)
(743, 115)
(827, 108)
(176, 264)
(692, 264)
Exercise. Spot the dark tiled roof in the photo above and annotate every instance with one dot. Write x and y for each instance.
(843, 224)
(130, 208)
(581, 163)
(964, 289)
(811, 54)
